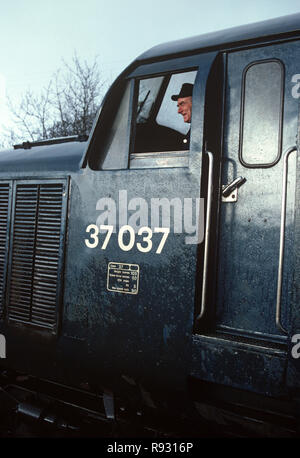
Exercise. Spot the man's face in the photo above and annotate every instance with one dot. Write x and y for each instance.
(184, 106)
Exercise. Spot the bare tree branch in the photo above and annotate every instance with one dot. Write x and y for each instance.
(67, 106)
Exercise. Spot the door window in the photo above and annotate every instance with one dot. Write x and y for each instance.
(261, 113)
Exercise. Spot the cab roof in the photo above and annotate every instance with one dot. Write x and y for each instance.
(259, 31)
(54, 155)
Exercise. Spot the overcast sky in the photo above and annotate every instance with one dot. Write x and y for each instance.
(36, 35)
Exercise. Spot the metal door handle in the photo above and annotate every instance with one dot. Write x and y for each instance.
(282, 238)
(207, 232)
(227, 190)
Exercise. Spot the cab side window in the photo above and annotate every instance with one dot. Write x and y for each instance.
(160, 123)
(141, 118)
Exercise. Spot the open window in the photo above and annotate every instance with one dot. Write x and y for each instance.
(140, 124)
(158, 126)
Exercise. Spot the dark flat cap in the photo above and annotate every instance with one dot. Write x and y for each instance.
(185, 91)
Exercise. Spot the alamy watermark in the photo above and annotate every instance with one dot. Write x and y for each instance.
(2, 346)
(142, 217)
(296, 348)
(296, 86)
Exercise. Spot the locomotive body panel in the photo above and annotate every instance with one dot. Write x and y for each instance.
(154, 254)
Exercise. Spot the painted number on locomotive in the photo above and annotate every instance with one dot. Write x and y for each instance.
(144, 245)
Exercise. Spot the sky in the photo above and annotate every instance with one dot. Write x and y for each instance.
(36, 35)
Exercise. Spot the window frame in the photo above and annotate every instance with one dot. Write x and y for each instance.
(95, 155)
(242, 113)
(158, 159)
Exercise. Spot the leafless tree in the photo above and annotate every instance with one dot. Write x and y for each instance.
(67, 106)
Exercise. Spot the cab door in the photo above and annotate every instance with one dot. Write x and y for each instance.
(260, 127)
(253, 275)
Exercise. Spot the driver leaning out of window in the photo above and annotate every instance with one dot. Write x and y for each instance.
(184, 105)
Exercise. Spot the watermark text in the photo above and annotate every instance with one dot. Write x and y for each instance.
(2, 346)
(177, 215)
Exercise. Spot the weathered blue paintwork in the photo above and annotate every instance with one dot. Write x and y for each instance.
(52, 158)
(152, 339)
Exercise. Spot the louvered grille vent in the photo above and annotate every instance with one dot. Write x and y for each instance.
(4, 205)
(36, 253)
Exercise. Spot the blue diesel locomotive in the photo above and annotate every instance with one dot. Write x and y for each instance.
(150, 273)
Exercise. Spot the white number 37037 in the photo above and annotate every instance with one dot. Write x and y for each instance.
(145, 245)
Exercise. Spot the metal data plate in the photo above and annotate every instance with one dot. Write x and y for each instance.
(123, 278)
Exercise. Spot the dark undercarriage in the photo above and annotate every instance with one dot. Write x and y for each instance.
(32, 407)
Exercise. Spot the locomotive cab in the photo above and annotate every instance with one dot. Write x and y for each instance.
(165, 260)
